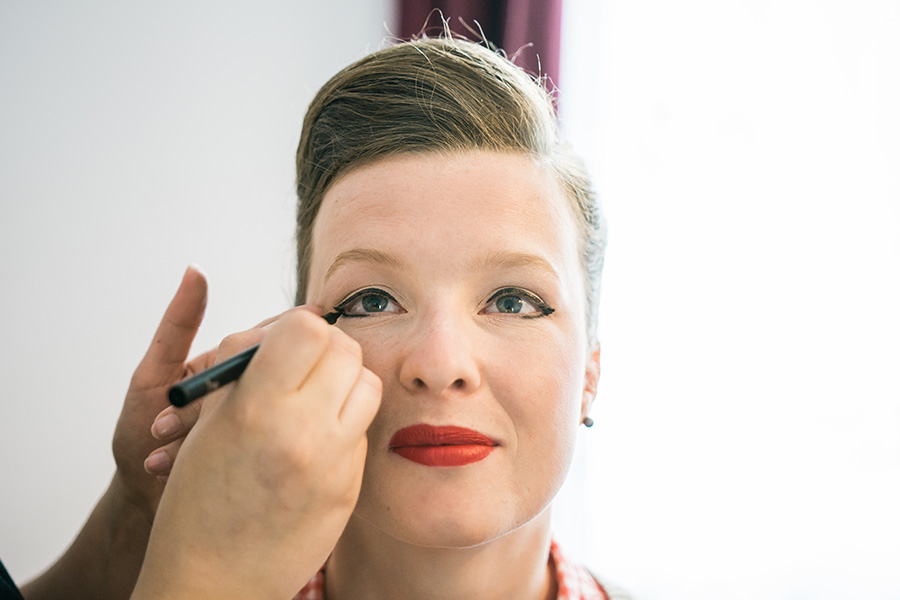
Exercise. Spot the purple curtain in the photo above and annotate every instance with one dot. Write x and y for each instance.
(508, 24)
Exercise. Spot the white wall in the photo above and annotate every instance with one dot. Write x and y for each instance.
(748, 153)
(136, 138)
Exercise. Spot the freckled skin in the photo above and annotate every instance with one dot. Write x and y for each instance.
(447, 358)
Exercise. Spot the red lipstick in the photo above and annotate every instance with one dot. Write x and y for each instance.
(447, 446)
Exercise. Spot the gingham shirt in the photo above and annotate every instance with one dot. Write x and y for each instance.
(573, 582)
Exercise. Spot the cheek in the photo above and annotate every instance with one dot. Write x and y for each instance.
(549, 381)
(543, 401)
(381, 359)
(543, 405)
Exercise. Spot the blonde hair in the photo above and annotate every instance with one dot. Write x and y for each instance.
(432, 95)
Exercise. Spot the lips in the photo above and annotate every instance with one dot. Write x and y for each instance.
(447, 446)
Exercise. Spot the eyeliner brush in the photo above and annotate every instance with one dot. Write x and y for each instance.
(196, 386)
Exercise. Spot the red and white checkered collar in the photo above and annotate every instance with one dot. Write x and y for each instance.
(573, 581)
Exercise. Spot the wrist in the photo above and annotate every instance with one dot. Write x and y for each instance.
(128, 510)
(106, 555)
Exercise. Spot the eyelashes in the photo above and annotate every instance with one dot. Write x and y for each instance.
(367, 302)
(510, 301)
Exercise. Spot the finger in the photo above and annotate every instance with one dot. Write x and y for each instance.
(160, 461)
(178, 421)
(238, 342)
(167, 424)
(201, 362)
(270, 320)
(216, 355)
(230, 346)
(316, 310)
(309, 307)
(331, 382)
(174, 422)
(362, 403)
(173, 338)
(294, 345)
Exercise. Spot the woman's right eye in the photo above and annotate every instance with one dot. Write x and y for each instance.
(368, 302)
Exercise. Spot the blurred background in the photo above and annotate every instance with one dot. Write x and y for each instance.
(747, 442)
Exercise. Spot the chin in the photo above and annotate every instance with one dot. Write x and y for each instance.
(449, 533)
(447, 521)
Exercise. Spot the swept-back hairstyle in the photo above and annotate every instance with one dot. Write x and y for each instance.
(438, 95)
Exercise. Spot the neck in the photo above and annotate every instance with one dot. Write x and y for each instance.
(369, 564)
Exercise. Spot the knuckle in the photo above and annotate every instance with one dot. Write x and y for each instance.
(229, 342)
(236, 342)
(286, 459)
(373, 381)
(313, 329)
(348, 344)
(304, 319)
(190, 413)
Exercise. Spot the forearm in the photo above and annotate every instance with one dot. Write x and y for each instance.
(104, 560)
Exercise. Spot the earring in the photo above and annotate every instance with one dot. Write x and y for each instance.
(587, 422)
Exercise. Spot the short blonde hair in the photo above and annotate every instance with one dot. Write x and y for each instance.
(431, 95)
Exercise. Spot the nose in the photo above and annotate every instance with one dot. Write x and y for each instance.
(440, 357)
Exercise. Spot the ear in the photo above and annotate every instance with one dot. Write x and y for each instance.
(591, 378)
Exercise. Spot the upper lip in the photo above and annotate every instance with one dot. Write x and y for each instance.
(444, 435)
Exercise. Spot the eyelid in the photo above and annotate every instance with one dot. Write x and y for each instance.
(543, 308)
(353, 296)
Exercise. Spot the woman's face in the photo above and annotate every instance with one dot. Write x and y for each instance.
(460, 277)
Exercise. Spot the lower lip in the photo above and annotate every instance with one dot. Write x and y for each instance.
(445, 456)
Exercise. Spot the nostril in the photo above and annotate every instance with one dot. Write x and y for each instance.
(459, 384)
(418, 383)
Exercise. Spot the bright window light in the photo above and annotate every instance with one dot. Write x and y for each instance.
(748, 426)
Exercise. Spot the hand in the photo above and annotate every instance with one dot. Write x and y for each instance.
(164, 364)
(105, 558)
(172, 425)
(268, 478)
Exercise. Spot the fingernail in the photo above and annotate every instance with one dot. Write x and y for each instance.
(158, 462)
(166, 426)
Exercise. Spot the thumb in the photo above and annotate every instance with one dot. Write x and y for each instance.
(173, 338)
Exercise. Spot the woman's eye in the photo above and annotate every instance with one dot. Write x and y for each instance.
(367, 302)
(517, 302)
(373, 303)
(509, 304)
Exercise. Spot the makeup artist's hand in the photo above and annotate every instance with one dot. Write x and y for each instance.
(106, 556)
(164, 364)
(172, 425)
(265, 483)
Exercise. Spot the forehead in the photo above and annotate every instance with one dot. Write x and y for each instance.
(446, 206)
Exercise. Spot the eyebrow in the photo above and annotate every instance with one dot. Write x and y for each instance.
(516, 260)
(498, 260)
(364, 255)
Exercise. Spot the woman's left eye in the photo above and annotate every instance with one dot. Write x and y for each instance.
(514, 301)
